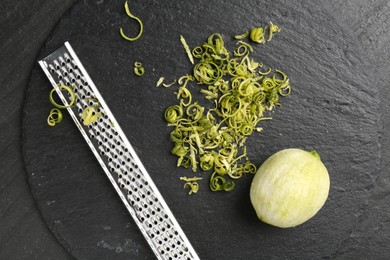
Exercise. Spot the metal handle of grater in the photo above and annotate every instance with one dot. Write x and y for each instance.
(118, 158)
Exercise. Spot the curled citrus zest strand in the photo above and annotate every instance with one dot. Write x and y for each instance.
(197, 52)
(160, 81)
(55, 117)
(139, 70)
(184, 93)
(265, 72)
(272, 29)
(218, 183)
(257, 35)
(242, 36)
(173, 113)
(141, 26)
(169, 84)
(70, 92)
(192, 183)
(184, 80)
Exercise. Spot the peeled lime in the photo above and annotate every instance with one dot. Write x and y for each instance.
(289, 188)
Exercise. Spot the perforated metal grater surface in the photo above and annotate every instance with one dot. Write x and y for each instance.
(117, 158)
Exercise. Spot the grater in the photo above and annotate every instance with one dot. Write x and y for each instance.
(118, 158)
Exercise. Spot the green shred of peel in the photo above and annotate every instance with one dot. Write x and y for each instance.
(71, 93)
(160, 81)
(191, 183)
(258, 34)
(55, 117)
(139, 70)
(241, 91)
(90, 113)
(187, 49)
(141, 26)
(242, 36)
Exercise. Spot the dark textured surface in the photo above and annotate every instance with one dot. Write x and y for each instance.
(356, 216)
(24, 26)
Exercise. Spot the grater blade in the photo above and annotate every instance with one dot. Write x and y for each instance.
(118, 158)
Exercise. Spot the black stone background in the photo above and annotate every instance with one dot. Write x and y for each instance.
(336, 55)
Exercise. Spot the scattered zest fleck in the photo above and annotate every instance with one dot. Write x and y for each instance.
(55, 117)
(272, 29)
(169, 84)
(187, 49)
(258, 34)
(71, 93)
(160, 81)
(139, 70)
(242, 36)
(191, 183)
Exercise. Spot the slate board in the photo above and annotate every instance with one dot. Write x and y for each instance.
(331, 110)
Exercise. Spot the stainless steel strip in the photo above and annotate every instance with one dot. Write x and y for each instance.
(118, 158)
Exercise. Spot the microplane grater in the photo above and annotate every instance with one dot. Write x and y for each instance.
(118, 158)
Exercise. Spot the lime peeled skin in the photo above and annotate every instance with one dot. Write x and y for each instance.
(289, 188)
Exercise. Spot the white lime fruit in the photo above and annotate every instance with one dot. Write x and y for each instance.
(289, 188)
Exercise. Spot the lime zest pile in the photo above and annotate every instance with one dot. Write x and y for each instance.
(241, 91)
(141, 26)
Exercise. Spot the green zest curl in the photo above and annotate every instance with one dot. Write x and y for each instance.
(257, 35)
(218, 183)
(173, 113)
(139, 70)
(141, 26)
(206, 162)
(160, 81)
(242, 36)
(71, 94)
(272, 29)
(191, 183)
(55, 117)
